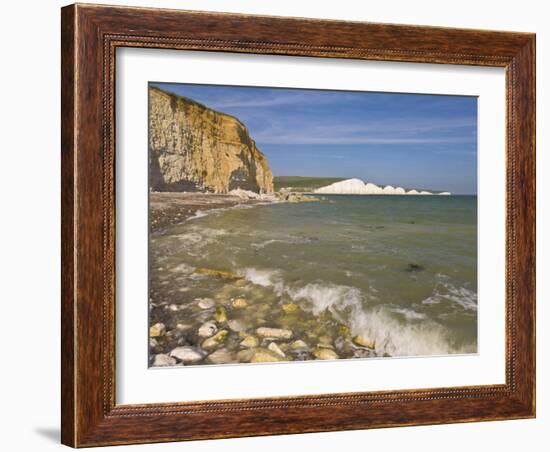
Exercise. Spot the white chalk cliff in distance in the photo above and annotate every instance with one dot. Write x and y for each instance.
(358, 187)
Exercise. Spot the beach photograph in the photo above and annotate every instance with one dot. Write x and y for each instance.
(293, 225)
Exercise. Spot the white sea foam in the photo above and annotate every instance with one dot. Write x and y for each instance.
(198, 214)
(463, 297)
(391, 336)
(201, 235)
(413, 335)
(409, 314)
(210, 232)
(446, 292)
(182, 268)
(323, 296)
(290, 240)
(402, 339)
(266, 243)
(264, 278)
(196, 238)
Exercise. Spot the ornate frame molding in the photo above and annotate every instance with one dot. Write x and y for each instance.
(90, 37)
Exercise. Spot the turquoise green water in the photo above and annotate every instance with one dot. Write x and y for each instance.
(398, 270)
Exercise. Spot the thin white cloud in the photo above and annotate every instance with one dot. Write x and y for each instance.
(378, 132)
(242, 102)
(354, 140)
(275, 99)
(318, 123)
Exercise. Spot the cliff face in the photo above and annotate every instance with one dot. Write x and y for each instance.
(194, 148)
(358, 187)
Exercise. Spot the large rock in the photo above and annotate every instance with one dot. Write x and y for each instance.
(290, 308)
(298, 345)
(162, 360)
(239, 303)
(187, 354)
(214, 341)
(221, 356)
(262, 355)
(325, 353)
(236, 325)
(222, 274)
(195, 148)
(249, 342)
(273, 347)
(221, 315)
(244, 356)
(364, 342)
(274, 333)
(207, 329)
(158, 329)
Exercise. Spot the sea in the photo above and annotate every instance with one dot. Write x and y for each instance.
(400, 271)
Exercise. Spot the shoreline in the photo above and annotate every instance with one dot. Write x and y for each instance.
(168, 209)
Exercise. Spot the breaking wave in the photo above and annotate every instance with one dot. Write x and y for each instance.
(395, 331)
(264, 278)
(445, 292)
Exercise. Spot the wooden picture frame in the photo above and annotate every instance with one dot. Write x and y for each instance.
(90, 35)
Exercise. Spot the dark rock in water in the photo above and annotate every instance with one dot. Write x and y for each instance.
(364, 353)
(154, 346)
(301, 355)
(415, 268)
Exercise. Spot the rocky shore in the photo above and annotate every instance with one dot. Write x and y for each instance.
(237, 320)
(242, 324)
(170, 208)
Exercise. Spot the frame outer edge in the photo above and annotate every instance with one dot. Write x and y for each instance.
(86, 419)
(525, 62)
(68, 242)
(534, 226)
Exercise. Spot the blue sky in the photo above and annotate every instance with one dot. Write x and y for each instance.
(408, 140)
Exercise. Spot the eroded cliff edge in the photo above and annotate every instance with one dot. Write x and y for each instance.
(195, 148)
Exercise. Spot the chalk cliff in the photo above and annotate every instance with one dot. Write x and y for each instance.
(194, 148)
(358, 187)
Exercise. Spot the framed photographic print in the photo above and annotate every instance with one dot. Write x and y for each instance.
(281, 225)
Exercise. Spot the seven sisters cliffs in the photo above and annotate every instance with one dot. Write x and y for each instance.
(246, 267)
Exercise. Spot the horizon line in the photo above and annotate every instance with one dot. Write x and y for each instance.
(379, 185)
